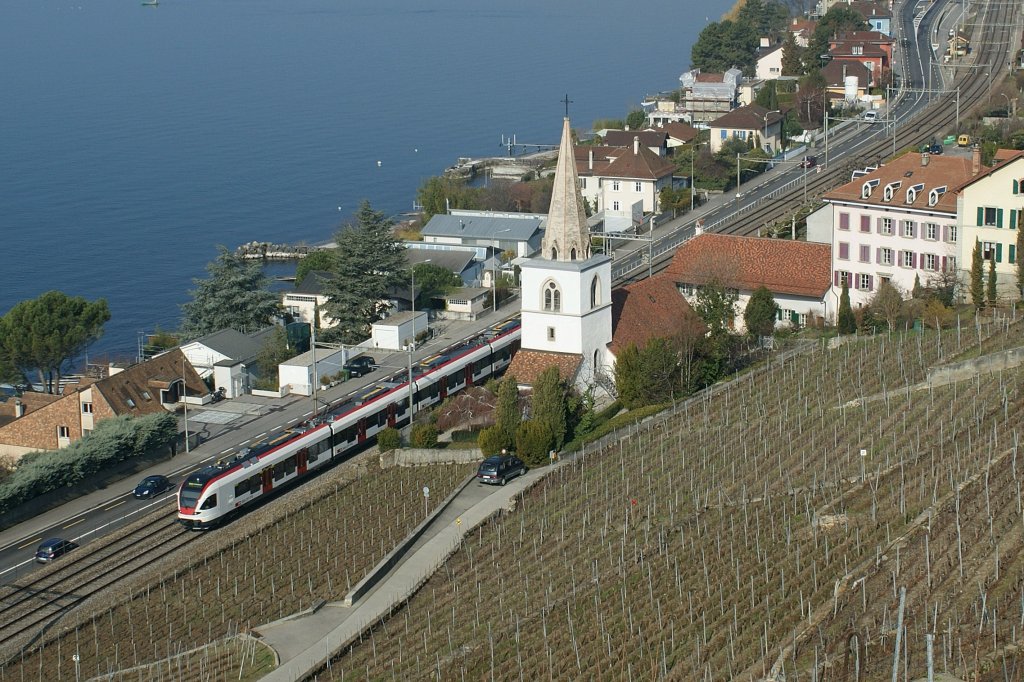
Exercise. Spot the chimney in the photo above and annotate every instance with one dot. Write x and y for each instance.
(845, 66)
(975, 159)
(590, 159)
(924, 158)
(19, 408)
(636, 145)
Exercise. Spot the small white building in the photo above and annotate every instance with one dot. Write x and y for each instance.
(228, 355)
(298, 376)
(399, 330)
(466, 303)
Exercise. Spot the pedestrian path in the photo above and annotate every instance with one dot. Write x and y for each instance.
(304, 643)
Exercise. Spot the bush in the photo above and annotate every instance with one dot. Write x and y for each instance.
(423, 435)
(491, 440)
(465, 436)
(533, 442)
(617, 422)
(389, 439)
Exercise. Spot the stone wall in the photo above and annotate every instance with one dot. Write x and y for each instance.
(407, 457)
(959, 371)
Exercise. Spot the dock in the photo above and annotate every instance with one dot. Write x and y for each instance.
(504, 167)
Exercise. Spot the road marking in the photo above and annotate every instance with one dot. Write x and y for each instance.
(116, 504)
(294, 421)
(31, 542)
(261, 435)
(242, 444)
(224, 452)
(207, 459)
(309, 413)
(75, 523)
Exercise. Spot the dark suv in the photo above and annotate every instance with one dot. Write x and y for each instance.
(357, 367)
(54, 548)
(499, 469)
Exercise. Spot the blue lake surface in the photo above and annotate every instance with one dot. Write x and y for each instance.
(135, 139)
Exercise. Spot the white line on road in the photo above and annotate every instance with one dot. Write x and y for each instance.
(224, 452)
(307, 414)
(262, 434)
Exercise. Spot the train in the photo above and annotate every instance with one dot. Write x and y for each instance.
(213, 494)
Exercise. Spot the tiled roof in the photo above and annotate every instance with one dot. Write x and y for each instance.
(710, 78)
(642, 164)
(234, 344)
(527, 365)
(645, 310)
(312, 284)
(866, 37)
(750, 117)
(871, 10)
(680, 131)
(844, 48)
(783, 266)
(146, 379)
(836, 71)
(1003, 158)
(624, 138)
(941, 171)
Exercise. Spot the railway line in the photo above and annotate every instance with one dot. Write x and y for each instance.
(28, 610)
(856, 145)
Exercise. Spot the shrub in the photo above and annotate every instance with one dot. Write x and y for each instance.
(389, 439)
(533, 442)
(465, 436)
(424, 435)
(491, 440)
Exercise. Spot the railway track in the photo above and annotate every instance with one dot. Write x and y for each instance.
(29, 610)
(914, 128)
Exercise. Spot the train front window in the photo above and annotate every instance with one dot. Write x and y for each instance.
(191, 490)
(210, 503)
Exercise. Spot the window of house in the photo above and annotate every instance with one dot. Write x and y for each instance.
(615, 185)
(551, 333)
(129, 402)
(841, 277)
(844, 250)
(928, 261)
(865, 253)
(931, 231)
(885, 256)
(951, 234)
(858, 49)
(865, 223)
(583, 183)
(552, 297)
(615, 206)
(990, 217)
(844, 221)
(86, 408)
(864, 282)
(686, 290)
(638, 186)
(951, 264)
(907, 259)
(63, 432)
(989, 250)
(907, 228)
(886, 227)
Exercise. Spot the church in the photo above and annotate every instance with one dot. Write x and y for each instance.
(571, 318)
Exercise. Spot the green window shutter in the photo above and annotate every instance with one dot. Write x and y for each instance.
(1013, 254)
(999, 217)
(1013, 219)
(981, 216)
(1016, 187)
(999, 252)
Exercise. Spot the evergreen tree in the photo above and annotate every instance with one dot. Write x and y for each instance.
(236, 295)
(792, 56)
(715, 304)
(761, 313)
(990, 288)
(548, 405)
(508, 415)
(846, 322)
(918, 290)
(629, 377)
(321, 259)
(977, 277)
(839, 19)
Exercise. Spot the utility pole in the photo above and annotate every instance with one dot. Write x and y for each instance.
(184, 400)
(312, 348)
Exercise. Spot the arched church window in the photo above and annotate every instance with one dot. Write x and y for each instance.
(552, 297)
(595, 293)
(554, 253)
(572, 255)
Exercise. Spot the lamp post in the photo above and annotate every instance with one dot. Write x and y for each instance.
(764, 116)
(184, 401)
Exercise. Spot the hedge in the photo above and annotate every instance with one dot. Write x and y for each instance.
(615, 423)
(114, 440)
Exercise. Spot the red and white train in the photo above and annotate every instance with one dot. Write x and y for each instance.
(214, 493)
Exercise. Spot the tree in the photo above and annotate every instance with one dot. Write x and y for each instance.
(674, 199)
(423, 435)
(433, 280)
(716, 306)
(636, 119)
(761, 312)
(887, 303)
(792, 56)
(845, 321)
(918, 290)
(629, 377)
(369, 260)
(321, 259)
(768, 96)
(439, 193)
(236, 295)
(508, 415)
(274, 351)
(492, 441)
(548, 405)
(990, 287)
(47, 333)
(766, 17)
(977, 275)
(723, 45)
(533, 442)
(840, 18)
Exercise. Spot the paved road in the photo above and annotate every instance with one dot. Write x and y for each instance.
(245, 420)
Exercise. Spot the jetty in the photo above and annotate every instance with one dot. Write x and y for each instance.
(502, 167)
(269, 251)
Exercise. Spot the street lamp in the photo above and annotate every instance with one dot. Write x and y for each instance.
(693, 155)
(764, 116)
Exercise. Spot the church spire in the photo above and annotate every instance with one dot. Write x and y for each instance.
(566, 237)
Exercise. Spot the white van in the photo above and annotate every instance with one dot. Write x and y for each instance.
(871, 116)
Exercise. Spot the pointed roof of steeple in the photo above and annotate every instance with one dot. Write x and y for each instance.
(566, 237)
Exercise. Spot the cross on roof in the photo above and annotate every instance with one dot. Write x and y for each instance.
(567, 102)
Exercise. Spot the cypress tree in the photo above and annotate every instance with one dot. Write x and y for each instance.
(977, 286)
(990, 288)
(846, 321)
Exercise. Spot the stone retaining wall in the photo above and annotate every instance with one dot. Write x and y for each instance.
(408, 457)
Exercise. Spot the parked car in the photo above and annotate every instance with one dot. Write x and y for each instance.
(151, 486)
(870, 115)
(54, 548)
(809, 162)
(500, 469)
(935, 148)
(357, 367)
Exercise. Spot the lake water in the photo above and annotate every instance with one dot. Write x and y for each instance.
(135, 139)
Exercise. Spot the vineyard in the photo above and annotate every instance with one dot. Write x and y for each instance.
(313, 544)
(769, 530)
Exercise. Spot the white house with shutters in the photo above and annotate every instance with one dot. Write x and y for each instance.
(989, 206)
(896, 223)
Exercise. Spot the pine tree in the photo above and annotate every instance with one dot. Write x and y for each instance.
(918, 290)
(508, 415)
(990, 288)
(761, 312)
(236, 295)
(549, 403)
(846, 321)
(977, 277)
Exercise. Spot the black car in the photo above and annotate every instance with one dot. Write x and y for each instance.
(357, 367)
(54, 548)
(936, 148)
(499, 469)
(151, 486)
(809, 162)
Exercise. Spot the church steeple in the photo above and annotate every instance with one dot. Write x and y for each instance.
(566, 237)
